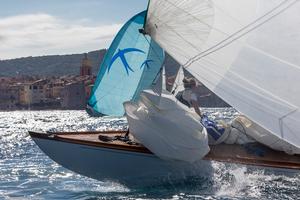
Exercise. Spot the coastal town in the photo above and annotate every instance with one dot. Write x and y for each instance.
(37, 92)
(71, 91)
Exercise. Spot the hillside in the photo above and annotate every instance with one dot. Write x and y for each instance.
(59, 65)
(54, 65)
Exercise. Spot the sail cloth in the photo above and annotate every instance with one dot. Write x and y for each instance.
(178, 82)
(167, 128)
(130, 65)
(247, 52)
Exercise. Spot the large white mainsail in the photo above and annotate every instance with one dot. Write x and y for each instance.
(245, 51)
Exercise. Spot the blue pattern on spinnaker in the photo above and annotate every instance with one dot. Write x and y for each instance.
(130, 65)
(121, 54)
(146, 63)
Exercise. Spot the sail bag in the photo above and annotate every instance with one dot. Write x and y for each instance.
(167, 128)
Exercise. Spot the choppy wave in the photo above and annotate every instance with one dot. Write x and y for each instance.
(25, 172)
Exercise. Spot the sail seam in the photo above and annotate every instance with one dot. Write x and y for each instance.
(244, 28)
(238, 34)
(232, 94)
(282, 101)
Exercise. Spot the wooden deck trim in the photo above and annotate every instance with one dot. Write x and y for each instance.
(84, 132)
(91, 143)
(255, 161)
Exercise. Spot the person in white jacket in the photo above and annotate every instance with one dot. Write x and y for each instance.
(190, 94)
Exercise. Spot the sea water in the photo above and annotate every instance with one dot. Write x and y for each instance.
(27, 173)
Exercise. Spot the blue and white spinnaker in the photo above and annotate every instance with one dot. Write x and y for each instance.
(130, 65)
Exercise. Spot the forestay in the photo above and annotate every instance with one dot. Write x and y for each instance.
(130, 65)
(247, 52)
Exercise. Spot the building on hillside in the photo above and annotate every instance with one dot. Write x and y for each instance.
(34, 92)
(24, 94)
(86, 66)
(88, 85)
(74, 96)
(55, 89)
(9, 97)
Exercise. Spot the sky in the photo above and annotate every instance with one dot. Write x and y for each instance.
(50, 27)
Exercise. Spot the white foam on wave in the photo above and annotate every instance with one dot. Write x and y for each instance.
(239, 181)
(86, 184)
(233, 181)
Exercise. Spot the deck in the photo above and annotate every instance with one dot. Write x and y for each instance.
(249, 154)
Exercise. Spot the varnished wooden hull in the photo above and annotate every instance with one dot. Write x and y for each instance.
(84, 153)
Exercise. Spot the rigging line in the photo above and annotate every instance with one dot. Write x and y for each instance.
(178, 52)
(273, 57)
(180, 16)
(244, 28)
(201, 21)
(166, 12)
(146, 16)
(191, 44)
(199, 56)
(237, 97)
(241, 30)
(219, 30)
(195, 57)
(230, 93)
(162, 61)
(282, 101)
(165, 23)
(155, 52)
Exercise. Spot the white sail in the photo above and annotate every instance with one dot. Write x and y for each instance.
(159, 84)
(167, 128)
(178, 82)
(245, 51)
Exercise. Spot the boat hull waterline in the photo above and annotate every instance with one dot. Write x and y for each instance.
(85, 154)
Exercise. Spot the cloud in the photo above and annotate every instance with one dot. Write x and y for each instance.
(2, 38)
(43, 34)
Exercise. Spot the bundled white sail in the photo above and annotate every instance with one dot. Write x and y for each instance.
(167, 128)
(245, 51)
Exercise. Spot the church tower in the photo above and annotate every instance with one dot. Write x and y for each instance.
(86, 66)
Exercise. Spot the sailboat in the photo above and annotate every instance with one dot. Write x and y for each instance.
(246, 52)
